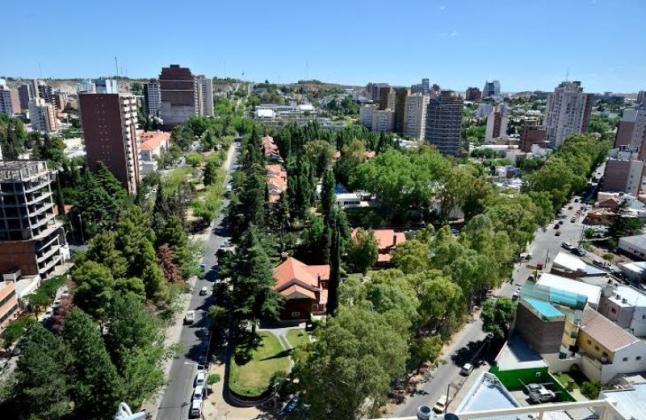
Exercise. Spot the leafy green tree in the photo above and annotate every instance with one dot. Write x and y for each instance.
(441, 301)
(335, 265)
(96, 387)
(426, 349)
(328, 195)
(412, 256)
(497, 315)
(94, 288)
(352, 361)
(42, 384)
(363, 251)
(103, 250)
(211, 172)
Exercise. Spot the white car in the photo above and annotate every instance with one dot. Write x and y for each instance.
(189, 318)
(204, 291)
(200, 378)
(196, 409)
(466, 369)
(440, 405)
(198, 393)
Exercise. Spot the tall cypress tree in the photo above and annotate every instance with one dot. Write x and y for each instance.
(327, 194)
(335, 266)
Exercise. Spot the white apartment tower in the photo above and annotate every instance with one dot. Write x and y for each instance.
(42, 115)
(204, 92)
(497, 122)
(383, 120)
(415, 115)
(365, 114)
(567, 112)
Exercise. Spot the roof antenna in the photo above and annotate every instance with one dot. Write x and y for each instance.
(116, 65)
(567, 75)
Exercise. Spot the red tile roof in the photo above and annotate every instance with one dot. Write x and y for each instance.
(386, 238)
(293, 276)
(151, 140)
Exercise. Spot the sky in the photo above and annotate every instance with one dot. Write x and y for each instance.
(526, 44)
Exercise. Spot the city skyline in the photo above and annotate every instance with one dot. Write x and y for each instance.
(525, 46)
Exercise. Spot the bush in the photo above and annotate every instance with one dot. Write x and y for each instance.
(213, 379)
(608, 257)
(590, 389)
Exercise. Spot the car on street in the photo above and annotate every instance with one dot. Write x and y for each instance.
(440, 405)
(204, 291)
(579, 251)
(198, 393)
(556, 226)
(560, 222)
(600, 264)
(189, 318)
(202, 267)
(516, 294)
(196, 409)
(558, 233)
(572, 220)
(200, 378)
(566, 245)
(466, 369)
(569, 207)
(291, 405)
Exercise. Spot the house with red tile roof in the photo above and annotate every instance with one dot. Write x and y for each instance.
(270, 148)
(304, 288)
(276, 181)
(151, 145)
(387, 241)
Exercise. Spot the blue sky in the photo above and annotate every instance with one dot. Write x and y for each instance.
(526, 44)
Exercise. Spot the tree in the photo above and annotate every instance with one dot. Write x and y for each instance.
(335, 266)
(426, 349)
(94, 288)
(352, 361)
(497, 315)
(165, 256)
(328, 195)
(103, 250)
(96, 387)
(363, 251)
(412, 256)
(42, 386)
(211, 172)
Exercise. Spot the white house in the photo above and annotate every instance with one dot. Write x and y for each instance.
(151, 145)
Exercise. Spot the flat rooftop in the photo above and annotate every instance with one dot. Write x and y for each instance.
(516, 354)
(633, 297)
(487, 394)
(572, 263)
(545, 309)
(21, 169)
(562, 289)
(629, 402)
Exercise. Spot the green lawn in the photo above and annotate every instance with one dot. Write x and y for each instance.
(176, 176)
(253, 378)
(298, 338)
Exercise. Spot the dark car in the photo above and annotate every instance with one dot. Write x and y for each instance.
(291, 405)
(579, 251)
(558, 233)
(572, 220)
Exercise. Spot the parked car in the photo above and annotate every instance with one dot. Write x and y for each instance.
(189, 318)
(600, 264)
(556, 226)
(200, 378)
(291, 405)
(440, 405)
(466, 369)
(566, 245)
(579, 251)
(572, 220)
(198, 393)
(196, 409)
(539, 394)
(558, 233)
(204, 291)
(516, 294)
(560, 222)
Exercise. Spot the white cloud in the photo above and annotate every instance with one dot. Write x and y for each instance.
(441, 7)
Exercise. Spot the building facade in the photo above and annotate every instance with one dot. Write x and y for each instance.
(109, 123)
(567, 112)
(415, 115)
(400, 105)
(531, 135)
(204, 89)
(106, 86)
(387, 98)
(365, 114)
(178, 95)
(491, 89)
(9, 101)
(624, 172)
(30, 237)
(9, 309)
(25, 94)
(626, 307)
(496, 124)
(42, 116)
(383, 121)
(444, 122)
(152, 98)
(473, 94)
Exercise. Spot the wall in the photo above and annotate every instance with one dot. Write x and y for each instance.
(19, 255)
(561, 365)
(542, 336)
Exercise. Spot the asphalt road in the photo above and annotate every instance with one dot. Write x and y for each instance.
(175, 403)
(545, 246)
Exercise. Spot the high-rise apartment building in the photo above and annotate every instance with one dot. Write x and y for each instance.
(624, 172)
(400, 105)
(415, 115)
(42, 116)
(424, 87)
(152, 98)
(631, 131)
(204, 89)
(44, 91)
(567, 112)
(365, 114)
(531, 135)
(9, 101)
(30, 237)
(86, 86)
(387, 98)
(641, 98)
(491, 89)
(473, 94)
(383, 120)
(178, 95)
(497, 122)
(106, 86)
(109, 123)
(25, 94)
(373, 90)
(444, 122)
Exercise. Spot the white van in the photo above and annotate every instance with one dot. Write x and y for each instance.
(196, 409)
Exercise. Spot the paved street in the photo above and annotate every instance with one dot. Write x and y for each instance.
(545, 245)
(176, 399)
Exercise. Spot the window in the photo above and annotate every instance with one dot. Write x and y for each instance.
(589, 341)
(613, 310)
(605, 354)
(596, 348)
(638, 358)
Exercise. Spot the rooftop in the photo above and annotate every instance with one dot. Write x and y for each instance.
(516, 354)
(629, 402)
(21, 169)
(632, 296)
(545, 309)
(604, 331)
(487, 394)
(151, 140)
(569, 292)
(574, 264)
(638, 241)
